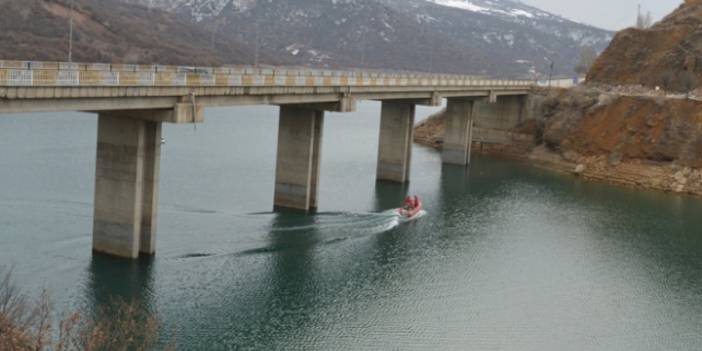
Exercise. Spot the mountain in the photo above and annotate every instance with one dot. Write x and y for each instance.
(501, 38)
(667, 55)
(493, 37)
(107, 31)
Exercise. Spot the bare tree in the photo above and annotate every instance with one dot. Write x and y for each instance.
(644, 21)
(588, 55)
(26, 325)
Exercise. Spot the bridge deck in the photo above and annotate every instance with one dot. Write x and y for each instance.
(52, 86)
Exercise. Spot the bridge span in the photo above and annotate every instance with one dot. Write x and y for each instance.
(132, 102)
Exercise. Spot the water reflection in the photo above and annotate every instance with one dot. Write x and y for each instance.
(290, 281)
(110, 280)
(389, 195)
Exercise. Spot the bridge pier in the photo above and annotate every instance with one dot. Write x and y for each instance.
(395, 146)
(126, 185)
(493, 121)
(298, 159)
(459, 132)
(127, 171)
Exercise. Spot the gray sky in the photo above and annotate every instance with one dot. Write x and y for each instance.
(608, 14)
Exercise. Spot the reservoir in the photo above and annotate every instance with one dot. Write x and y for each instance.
(508, 257)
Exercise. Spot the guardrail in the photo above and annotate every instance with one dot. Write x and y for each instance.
(65, 74)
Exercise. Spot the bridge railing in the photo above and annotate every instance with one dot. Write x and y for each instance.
(68, 74)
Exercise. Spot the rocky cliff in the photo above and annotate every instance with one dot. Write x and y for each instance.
(667, 55)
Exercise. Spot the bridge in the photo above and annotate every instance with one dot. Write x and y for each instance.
(132, 102)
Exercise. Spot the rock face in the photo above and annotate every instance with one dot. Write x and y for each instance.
(492, 37)
(668, 55)
(592, 123)
(108, 31)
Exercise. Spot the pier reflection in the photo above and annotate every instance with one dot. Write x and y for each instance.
(112, 280)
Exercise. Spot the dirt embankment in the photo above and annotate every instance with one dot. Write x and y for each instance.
(667, 55)
(645, 141)
(636, 140)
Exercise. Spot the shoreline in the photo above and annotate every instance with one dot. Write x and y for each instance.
(665, 177)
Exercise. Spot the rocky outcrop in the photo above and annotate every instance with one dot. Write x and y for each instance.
(667, 55)
(592, 122)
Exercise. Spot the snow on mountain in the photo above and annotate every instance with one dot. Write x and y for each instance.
(489, 7)
(496, 37)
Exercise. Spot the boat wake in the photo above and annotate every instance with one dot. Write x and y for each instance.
(321, 229)
(350, 224)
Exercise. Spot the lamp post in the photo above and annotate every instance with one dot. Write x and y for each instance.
(70, 34)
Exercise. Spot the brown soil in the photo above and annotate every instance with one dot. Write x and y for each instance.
(640, 141)
(668, 55)
(592, 123)
(430, 132)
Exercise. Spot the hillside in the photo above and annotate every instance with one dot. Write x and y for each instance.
(491, 37)
(107, 31)
(668, 55)
(502, 38)
(616, 128)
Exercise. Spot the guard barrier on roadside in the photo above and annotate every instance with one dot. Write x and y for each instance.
(67, 74)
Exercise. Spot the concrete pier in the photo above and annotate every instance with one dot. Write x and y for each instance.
(152, 170)
(126, 185)
(459, 132)
(298, 159)
(506, 113)
(395, 146)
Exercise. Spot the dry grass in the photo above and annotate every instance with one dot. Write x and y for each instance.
(26, 324)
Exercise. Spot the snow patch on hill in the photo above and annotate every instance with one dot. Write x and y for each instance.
(492, 8)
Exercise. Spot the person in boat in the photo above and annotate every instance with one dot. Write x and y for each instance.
(408, 204)
(411, 206)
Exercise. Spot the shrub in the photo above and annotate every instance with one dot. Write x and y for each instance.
(26, 325)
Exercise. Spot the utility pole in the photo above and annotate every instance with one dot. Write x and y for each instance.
(258, 39)
(363, 47)
(427, 42)
(70, 33)
(550, 73)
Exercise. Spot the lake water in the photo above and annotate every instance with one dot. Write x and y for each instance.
(508, 257)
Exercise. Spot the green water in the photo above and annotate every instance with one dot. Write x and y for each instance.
(508, 257)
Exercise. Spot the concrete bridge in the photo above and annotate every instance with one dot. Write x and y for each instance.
(132, 101)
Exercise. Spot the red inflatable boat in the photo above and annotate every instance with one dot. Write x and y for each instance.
(410, 207)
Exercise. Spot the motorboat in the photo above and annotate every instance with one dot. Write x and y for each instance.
(411, 207)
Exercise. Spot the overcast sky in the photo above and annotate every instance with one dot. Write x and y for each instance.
(608, 14)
